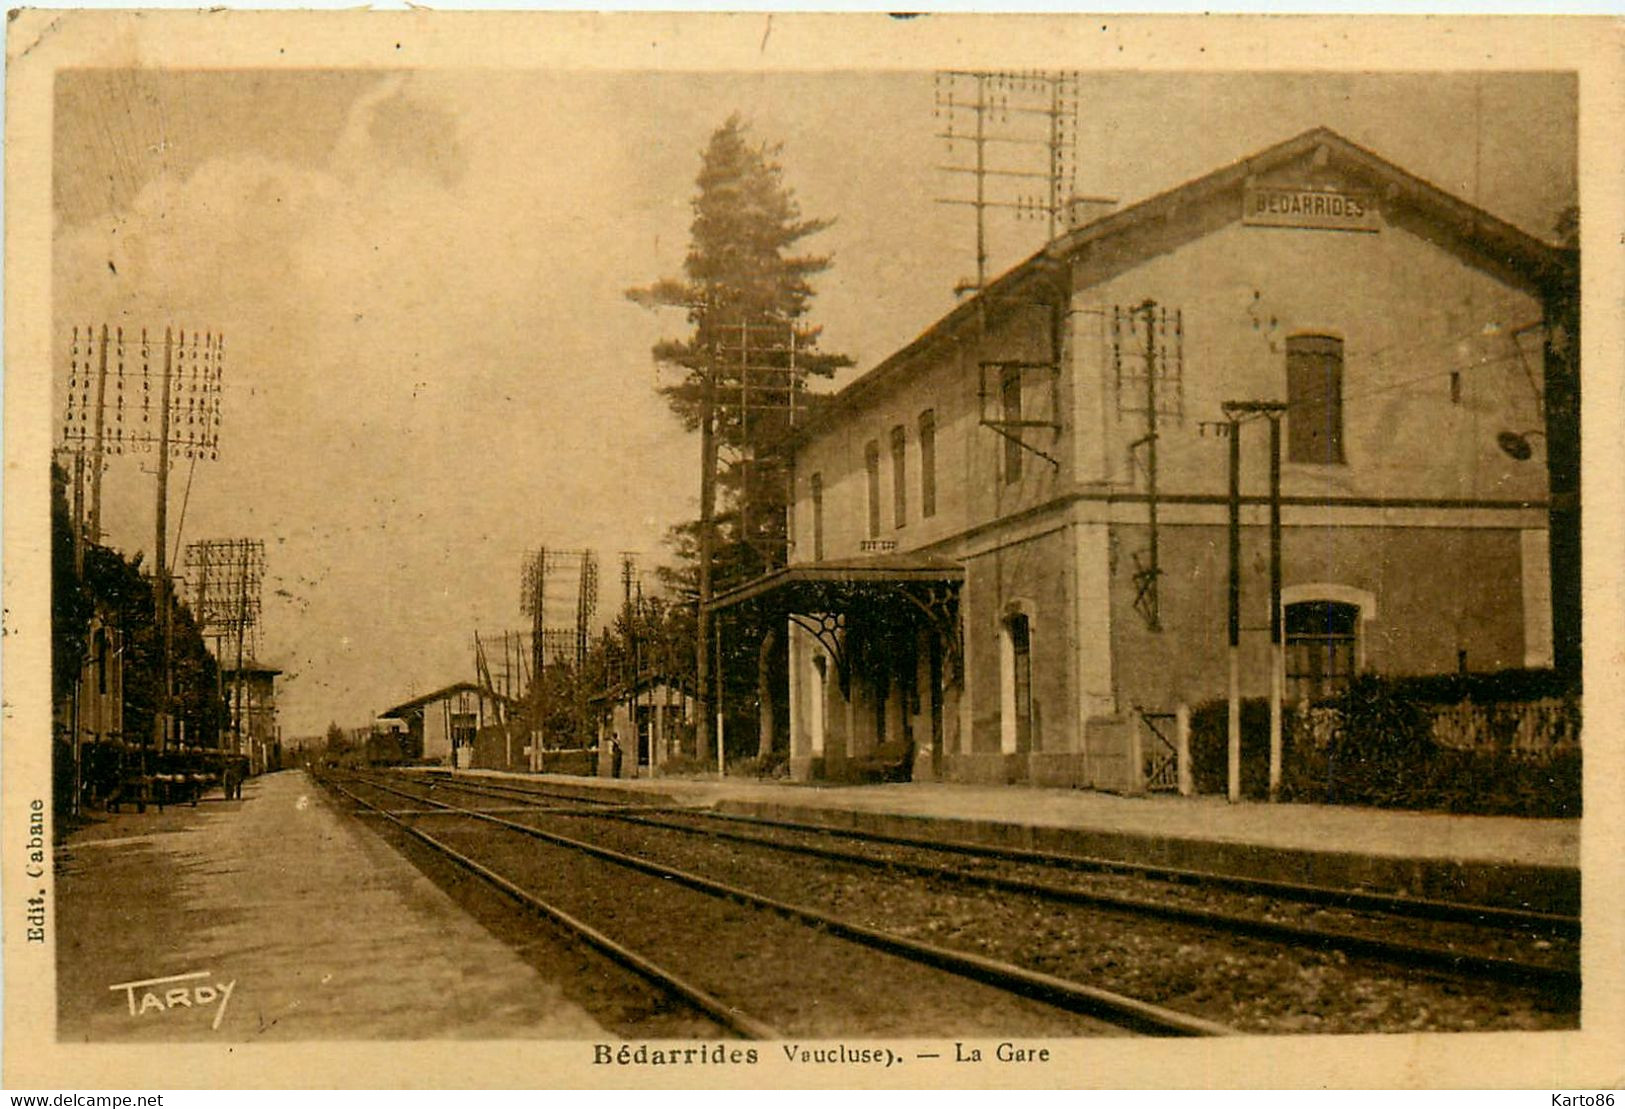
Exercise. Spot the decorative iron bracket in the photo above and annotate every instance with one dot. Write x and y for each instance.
(941, 608)
(829, 628)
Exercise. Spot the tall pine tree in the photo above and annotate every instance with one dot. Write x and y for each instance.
(744, 368)
(746, 291)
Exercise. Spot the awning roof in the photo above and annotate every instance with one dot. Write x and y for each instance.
(809, 586)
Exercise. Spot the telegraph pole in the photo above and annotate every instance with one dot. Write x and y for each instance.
(161, 567)
(538, 651)
(1277, 651)
(200, 438)
(1233, 729)
(227, 575)
(708, 499)
(1272, 411)
(1154, 607)
(100, 425)
(1026, 113)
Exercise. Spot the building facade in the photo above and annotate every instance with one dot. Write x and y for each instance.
(250, 692)
(1010, 540)
(441, 726)
(643, 727)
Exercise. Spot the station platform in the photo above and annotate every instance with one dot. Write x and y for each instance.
(1506, 861)
(308, 925)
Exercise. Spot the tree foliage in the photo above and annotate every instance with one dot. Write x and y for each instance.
(70, 603)
(116, 587)
(746, 290)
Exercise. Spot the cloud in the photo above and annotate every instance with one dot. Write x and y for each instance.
(419, 386)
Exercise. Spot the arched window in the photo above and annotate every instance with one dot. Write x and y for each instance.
(820, 694)
(1321, 647)
(1015, 684)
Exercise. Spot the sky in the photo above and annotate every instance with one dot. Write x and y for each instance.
(431, 364)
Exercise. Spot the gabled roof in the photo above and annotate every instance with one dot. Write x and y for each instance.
(1494, 239)
(406, 707)
(1497, 244)
(648, 680)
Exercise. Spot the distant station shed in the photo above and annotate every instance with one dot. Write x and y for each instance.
(439, 723)
(1010, 539)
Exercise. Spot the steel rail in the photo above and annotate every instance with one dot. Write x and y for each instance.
(711, 1005)
(1395, 904)
(1063, 993)
(1554, 977)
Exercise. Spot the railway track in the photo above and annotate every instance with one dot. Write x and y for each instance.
(1557, 924)
(957, 982)
(1251, 982)
(1557, 975)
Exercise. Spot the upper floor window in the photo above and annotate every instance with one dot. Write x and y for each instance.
(1314, 393)
(899, 475)
(928, 463)
(1010, 412)
(816, 488)
(871, 463)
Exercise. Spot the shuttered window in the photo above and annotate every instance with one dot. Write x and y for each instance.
(871, 463)
(1010, 406)
(899, 475)
(817, 489)
(928, 463)
(1314, 387)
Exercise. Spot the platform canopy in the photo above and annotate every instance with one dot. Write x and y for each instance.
(816, 586)
(879, 598)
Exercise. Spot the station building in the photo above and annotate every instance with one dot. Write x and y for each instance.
(1010, 539)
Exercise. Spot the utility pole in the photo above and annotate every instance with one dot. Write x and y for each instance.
(100, 421)
(226, 575)
(1023, 112)
(161, 566)
(242, 633)
(1272, 411)
(1153, 608)
(630, 663)
(722, 747)
(1233, 728)
(538, 650)
(79, 513)
(708, 499)
(1277, 649)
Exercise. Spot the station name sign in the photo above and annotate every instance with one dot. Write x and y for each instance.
(1277, 206)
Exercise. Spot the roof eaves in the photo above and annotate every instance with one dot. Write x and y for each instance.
(1544, 263)
(417, 702)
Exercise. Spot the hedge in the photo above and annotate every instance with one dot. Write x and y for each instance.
(1374, 746)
